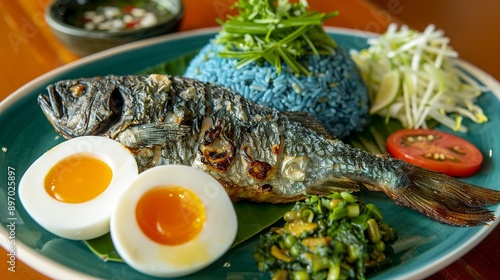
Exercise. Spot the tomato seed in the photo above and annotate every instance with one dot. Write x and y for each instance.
(457, 150)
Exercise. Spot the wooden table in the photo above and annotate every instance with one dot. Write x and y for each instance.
(28, 49)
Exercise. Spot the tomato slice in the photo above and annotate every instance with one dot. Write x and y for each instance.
(435, 150)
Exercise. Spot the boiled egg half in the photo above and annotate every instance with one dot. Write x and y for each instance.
(72, 189)
(172, 221)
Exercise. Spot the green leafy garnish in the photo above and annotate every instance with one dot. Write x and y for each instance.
(277, 31)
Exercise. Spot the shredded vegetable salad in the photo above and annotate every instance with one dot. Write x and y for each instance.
(412, 77)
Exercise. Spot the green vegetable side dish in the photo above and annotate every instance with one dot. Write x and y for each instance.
(278, 33)
(333, 237)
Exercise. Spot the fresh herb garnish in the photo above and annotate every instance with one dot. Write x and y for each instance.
(275, 31)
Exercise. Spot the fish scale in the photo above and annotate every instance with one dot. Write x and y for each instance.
(257, 153)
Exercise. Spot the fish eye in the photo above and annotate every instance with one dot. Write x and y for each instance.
(116, 102)
(115, 108)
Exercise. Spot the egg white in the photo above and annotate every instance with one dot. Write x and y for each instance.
(145, 255)
(77, 221)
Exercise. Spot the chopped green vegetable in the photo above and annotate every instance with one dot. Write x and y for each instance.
(344, 239)
(412, 77)
(281, 32)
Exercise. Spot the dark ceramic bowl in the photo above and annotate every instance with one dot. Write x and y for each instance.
(65, 20)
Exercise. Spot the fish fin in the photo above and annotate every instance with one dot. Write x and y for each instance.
(256, 194)
(311, 122)
(372, 187)
(444, 198)
(152, 134)
(333, 184)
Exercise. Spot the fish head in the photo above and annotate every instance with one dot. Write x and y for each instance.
(78, 107)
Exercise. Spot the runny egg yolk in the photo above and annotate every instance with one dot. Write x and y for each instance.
(170, 215)
(77, 179)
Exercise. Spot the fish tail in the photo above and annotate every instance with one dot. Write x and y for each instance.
(444, 198)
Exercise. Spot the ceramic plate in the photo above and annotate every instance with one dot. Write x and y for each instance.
(424, 246)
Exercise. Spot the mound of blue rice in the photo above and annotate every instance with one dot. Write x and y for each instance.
(334, 93)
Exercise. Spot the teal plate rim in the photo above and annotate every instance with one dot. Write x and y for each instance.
(416, 259)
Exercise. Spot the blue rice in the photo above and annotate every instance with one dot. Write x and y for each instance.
(334, 93)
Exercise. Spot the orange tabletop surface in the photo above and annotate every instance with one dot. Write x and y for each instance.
(28, 49)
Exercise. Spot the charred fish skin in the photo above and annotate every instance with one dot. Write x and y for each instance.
(259, 150)
(256, 152)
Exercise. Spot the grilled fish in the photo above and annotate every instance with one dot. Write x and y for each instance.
(256, 152)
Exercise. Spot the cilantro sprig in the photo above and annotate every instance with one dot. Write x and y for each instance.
(277, 31)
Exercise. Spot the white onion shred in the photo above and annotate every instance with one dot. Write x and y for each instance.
(431, 85)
